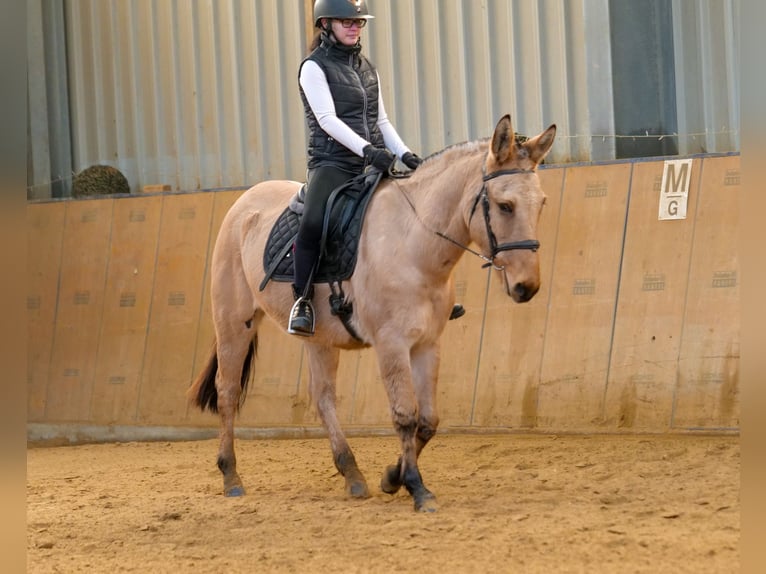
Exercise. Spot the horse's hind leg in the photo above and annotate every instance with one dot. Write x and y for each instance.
(233, 345)
(323, 367)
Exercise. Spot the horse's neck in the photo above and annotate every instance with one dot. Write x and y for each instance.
(441, 201)
(440, 194)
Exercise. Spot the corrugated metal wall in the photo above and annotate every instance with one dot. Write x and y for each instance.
(706, 33)
(201, 94)
(196, 94)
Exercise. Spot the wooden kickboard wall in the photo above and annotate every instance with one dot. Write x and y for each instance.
(635, 327)
(649, 315)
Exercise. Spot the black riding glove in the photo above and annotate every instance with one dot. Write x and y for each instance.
(379, 157)
(411, 160)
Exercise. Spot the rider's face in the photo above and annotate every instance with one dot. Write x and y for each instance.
(346, 36)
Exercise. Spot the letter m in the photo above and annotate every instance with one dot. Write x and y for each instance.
(675, 179)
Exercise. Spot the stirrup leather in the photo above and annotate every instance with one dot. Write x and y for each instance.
(302, 318)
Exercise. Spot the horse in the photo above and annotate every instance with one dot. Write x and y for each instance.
(401, 290)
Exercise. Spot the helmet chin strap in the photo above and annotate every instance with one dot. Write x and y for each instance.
(327, 29)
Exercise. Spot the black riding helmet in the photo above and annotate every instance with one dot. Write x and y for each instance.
(340, 9)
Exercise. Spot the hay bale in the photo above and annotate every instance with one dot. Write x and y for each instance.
(99, 180)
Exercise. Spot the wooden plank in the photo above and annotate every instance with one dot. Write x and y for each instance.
(303, 411)
(45, 231)
(370, 406)
(156, 188)
(275, 397)
(583, 294)
(273, 393)
(664, 353)
(643, 365)
(460, 344)
(85, 250)
(175, 310)
(344, 390)
(222, 201)
(511, 353)
(129, 282)
(708, 371)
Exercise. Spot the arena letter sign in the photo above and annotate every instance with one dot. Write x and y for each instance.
(674, 193)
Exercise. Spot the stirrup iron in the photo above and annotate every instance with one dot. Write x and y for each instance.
(302, 318)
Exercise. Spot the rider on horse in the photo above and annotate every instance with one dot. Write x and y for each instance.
(348, 131)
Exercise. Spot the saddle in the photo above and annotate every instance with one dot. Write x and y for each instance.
(341, 230)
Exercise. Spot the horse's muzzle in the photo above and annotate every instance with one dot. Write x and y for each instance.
(523, 292)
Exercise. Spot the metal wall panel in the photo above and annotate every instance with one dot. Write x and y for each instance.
(201, 94)
(196, 94)
(451, 68)
(49, 154)
(706, 33)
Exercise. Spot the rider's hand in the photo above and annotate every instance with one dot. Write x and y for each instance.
(411, 160)
(379, 157)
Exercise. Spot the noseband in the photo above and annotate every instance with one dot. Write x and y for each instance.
(483, 196)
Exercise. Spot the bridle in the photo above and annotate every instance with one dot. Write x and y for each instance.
(483, 196)
(494, 247)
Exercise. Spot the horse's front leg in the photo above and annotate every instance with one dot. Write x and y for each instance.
(425, 369)
(395, 369)
(323, 368)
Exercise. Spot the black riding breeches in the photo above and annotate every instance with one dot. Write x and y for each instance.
(319, 186)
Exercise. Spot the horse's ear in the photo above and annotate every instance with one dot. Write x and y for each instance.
(503, 146)
(539, 146)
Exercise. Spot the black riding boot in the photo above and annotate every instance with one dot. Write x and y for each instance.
(302, 314)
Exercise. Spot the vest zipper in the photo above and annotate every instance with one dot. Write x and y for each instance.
(364, 97)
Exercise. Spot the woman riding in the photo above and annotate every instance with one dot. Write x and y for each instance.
(348, 131)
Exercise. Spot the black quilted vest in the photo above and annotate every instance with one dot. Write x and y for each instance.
(354, 88)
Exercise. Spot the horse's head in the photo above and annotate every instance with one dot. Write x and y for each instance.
(504, 215)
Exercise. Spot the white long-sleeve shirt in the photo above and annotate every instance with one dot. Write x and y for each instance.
(314, 84)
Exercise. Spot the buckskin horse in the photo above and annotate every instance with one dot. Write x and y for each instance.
(484, 192)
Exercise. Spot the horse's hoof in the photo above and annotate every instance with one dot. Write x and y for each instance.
(426, 503)
(391, 482)
(234, 491)
(356, 485)
(358, 490)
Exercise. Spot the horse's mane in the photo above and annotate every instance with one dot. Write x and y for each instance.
(462, 147)
(473, 145)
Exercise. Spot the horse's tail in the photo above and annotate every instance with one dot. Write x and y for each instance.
(203, 393)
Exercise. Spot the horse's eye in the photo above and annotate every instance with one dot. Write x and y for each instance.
(506, 207)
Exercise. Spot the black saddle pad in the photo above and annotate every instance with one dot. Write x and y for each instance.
(342, 228)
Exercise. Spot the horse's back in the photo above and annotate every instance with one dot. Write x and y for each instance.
(246, 226)
(258, 206)
(266, 196)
